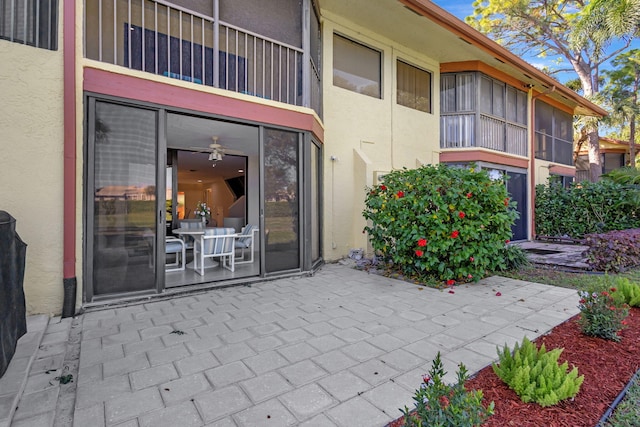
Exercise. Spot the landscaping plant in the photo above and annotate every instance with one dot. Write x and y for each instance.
(443, 405)
(614, 251)
(535, 374)
(629, 290)
(586, 208)
(438, 221)
(602, 312)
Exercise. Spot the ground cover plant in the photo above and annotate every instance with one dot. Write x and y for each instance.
(440, 222)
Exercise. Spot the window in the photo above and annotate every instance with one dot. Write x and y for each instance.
(414, 87)
(356, 67)
(554, 134)
(30, 22)
(457, 92)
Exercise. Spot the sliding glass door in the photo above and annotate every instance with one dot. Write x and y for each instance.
(281, 154)
(122, 198)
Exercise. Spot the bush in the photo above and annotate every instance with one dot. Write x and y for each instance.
(586, 208)
(440, 404)
(630, 291)
(614, 251)
(514, 258)
(535, 375)
(602, 312)
(444, 222)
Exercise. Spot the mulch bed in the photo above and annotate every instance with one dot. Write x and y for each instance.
(607, 367)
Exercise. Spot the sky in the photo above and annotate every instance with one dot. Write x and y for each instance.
(464, 8)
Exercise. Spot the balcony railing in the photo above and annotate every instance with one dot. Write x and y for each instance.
(165, 39)
(459, 131)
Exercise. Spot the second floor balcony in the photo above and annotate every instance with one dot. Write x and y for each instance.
(245, 46)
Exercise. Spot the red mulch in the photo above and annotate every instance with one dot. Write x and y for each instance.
(607, 367)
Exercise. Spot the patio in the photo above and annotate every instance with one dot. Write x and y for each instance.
(341, 348)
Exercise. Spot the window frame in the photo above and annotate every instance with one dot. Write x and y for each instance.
(418, 71)
(31, 26)
(369, 49)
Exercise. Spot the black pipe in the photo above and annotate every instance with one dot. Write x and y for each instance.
(617, 400)
(69, 303)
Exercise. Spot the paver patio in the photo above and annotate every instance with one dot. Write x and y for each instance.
(341, 348)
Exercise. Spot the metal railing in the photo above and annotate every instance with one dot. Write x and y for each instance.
(459, 131)
(165, 39)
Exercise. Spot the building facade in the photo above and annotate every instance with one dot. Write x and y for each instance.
(123, 118)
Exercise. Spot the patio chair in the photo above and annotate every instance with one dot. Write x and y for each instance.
(175, 246)
(190, 224)
(215, 243)
(246, 240)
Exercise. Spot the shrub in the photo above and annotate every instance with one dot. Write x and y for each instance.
(444, 222)
(630, 291)
(514, 258)
(602, 312)
(440, 404)
(535, 374)
(614, 251)
(586, 208)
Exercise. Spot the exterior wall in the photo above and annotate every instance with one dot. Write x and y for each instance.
(365, 135)
(544, 169)
(31, 129)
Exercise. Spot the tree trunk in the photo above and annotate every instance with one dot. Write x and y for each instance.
(595, 165)
(632, 141)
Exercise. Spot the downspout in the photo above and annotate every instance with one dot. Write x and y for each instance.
(533, 156)
(69, 184)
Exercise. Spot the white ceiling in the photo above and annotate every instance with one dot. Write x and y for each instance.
(194, 134)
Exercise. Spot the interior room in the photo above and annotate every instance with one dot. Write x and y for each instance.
(212, 165)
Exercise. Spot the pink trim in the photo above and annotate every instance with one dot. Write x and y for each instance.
(482, 156)
(562, 170)
(69, 94)
(114, 84)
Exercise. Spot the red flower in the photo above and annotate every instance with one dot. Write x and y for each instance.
(444, 401)
(469, 195)
(461, 214)
(507, 241)
(454, 234)
(613, 289)
(419, 252)
(400, 194)
(422, 242)
(612, 308)
(471, 258)
(498, 294)
(506, 201)
(426, 379)
(451, 291)
(582, 301)
(451, 282)
(383, 187)
(469, 276)
(604, 293)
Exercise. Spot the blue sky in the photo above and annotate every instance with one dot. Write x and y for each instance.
(464, 8)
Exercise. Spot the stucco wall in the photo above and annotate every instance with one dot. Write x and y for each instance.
(31, 136)
(365, 134)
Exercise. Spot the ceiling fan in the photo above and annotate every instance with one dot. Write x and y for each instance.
(217, 151)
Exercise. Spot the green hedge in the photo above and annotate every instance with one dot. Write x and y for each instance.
(586, 208)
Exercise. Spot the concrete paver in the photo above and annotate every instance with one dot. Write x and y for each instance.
(341, 348)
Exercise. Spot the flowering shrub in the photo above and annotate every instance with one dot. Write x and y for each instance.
(602, 313)
(202, 210)
(444, 222)
(440, 404)
(535, 374)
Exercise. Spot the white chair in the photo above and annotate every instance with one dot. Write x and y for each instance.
(175, 246)
(246, 241)
(215, 243)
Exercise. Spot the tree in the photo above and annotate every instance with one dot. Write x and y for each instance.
(545, 26)
(604, 19)
(621, 94)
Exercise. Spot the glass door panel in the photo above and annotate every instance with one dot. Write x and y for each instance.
(124, 199)
(281, 200)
